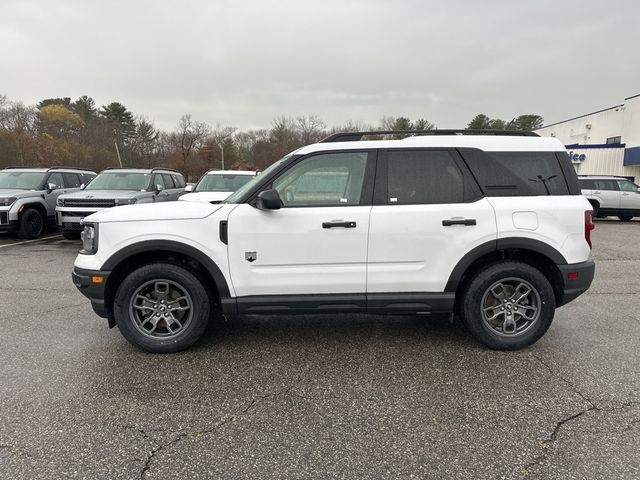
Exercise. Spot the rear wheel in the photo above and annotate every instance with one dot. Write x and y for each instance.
(508, 306)
(625, 218)
(31, 224)
(596, 207)
(162, 307)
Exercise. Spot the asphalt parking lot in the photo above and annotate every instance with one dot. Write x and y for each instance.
(317, 397)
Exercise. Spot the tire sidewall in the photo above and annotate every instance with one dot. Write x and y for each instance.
(23, 233)
(187, 280)
(471, 311)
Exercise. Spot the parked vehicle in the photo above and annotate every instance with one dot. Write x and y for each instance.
(114, 187)
(216, 185)
(611, 196)
(490, 226)
(28, 196)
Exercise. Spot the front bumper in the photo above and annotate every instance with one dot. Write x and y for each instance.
(87, 282)
(577, 278)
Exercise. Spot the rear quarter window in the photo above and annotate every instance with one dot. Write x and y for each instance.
(510, 174)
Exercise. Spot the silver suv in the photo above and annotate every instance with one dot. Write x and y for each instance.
(611, 196)
(28, 196)
(114, 187)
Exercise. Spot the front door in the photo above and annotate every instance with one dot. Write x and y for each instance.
(629, 195)
(316, 244)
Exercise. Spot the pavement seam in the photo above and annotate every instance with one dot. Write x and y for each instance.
(182, 435)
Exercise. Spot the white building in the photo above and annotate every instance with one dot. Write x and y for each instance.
(606, 142)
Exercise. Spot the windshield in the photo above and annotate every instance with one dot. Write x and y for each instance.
(221, 182)
(247, 186)
(120, 181)
(21, 180)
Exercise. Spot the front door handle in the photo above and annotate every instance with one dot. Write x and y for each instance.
(461, 221)
(339, 224)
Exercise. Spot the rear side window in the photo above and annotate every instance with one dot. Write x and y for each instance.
(178, 180)
(507, 174)
(71, 180)
(423, 177)
(605, 184)
(586, 184)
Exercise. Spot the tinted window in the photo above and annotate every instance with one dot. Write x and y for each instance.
(71, 180)
(178, 180)
(517, 173)
(423, 177)
(168, 181)
(627, 186)
(332, 179)
(605, 184)
(586, 184)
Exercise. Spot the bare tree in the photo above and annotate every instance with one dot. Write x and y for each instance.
(190, 136)
(311, 129)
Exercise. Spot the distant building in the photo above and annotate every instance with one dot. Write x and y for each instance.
(606, 142)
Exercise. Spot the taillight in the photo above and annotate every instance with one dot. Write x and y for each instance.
(588, 226)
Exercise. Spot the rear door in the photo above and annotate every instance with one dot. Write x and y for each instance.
(427, 214)
(629, 195)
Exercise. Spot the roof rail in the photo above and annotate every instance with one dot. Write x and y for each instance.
(604, 175)
(357, 136)
(60, 167)
(166, 169)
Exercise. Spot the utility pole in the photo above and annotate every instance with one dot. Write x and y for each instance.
(118, 152)
(221, 154)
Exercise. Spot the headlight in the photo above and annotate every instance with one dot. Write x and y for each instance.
(90, 239)
(60, 202)
(5, 202)
(126, 201)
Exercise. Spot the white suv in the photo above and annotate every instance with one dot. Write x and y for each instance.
(611, 196)
(491, 226)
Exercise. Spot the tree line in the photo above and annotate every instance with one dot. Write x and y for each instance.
(59, 131)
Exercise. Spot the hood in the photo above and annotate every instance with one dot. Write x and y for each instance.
(14, 192)
(205, 196)
(103, 194)
(154, 212)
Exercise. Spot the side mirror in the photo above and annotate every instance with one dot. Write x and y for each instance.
(82, 186)
(51, 187)
(159, 188)
(269, 200)
(638, 190)
(188, 188)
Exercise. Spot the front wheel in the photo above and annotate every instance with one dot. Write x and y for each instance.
(31, 224)
(508, 306)
(162, 307)
(625, 218)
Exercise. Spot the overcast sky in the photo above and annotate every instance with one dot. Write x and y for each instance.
(244, 62)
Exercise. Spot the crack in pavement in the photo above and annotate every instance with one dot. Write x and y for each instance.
(159, 447)
(573, 388)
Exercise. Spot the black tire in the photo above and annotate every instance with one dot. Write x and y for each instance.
(625, 218)
(477, 291)
(71, 235)
(128, 317)
(31, 224)
(596, 207)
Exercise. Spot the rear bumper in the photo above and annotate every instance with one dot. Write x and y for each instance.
(85, 281)
(577, 278)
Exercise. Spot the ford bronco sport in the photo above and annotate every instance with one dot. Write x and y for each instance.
(489, 225)
(28, 196)
(113, 187)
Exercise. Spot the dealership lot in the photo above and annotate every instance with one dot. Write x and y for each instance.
(317, 397)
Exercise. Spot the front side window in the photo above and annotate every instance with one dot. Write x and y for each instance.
(71, 180)
(627, 186)
(222, 182)
(120, 181)
(329, 179)
(21, 180)
(56, 179)
(423, 177)
(168, 181)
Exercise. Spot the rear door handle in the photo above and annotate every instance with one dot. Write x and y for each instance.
(339, 224)
(461, 221)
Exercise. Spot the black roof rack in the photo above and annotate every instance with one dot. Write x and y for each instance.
(357, 136)
(166, 169)
(603, 175)
(61, 167)
(151, 170)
